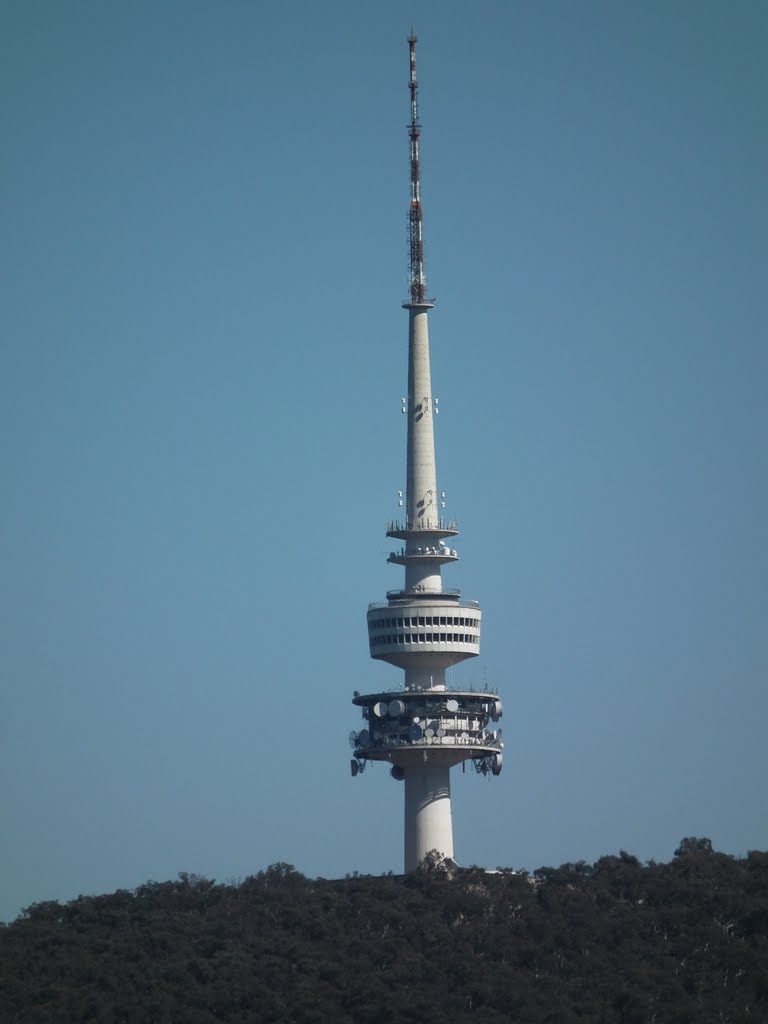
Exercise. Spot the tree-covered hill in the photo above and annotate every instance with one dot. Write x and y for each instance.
(615, 941)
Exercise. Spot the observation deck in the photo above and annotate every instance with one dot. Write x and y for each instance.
(432, 555)
(406, 596)
(403, 631)
(404, 529)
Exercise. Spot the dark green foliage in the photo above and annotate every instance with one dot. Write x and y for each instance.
(692, 844)
(613, 942)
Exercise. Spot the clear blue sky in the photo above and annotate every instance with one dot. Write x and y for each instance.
(203, 219)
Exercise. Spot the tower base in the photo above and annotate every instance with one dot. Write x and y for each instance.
(428, 824)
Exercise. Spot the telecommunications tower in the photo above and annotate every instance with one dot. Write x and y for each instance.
(424, 728)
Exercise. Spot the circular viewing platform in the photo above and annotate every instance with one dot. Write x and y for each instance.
(436, 555)
(403, 529)
(405, 596)
(406, 632)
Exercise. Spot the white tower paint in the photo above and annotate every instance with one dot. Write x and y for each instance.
(424, 729)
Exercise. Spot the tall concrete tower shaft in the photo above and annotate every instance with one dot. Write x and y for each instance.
(424, 728)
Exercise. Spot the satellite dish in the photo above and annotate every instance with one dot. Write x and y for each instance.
(354, 766)
(441, 731)
(353, 739)
(429, 733)
(415, 733)
(498, 760)
(396, 708)
(380, 709)
(452, 705)
(397, 772)
(364, 738)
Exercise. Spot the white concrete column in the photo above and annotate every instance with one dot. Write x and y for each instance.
(428, 824)
(422, 504)
(425, 678)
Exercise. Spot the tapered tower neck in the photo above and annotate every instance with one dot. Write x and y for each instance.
(421, 489)
(416, 280)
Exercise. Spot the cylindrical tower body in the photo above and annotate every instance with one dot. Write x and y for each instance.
(425, 728)
(428, 824)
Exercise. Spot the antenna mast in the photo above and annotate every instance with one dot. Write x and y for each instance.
(416, 282)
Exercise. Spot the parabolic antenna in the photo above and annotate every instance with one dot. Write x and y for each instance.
(464, 738)
(354, 766)
(353, 739)
(429, 733)
(496, 710)
(415, 733)
(397, 772)
(364, 738)
(452, 705)
(498, 760)
(380, 709)
(396, 708)
(441, 731)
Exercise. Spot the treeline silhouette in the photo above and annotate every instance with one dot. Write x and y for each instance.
(614, 941)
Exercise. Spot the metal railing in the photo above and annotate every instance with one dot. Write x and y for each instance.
(401, 525)
(404, 596)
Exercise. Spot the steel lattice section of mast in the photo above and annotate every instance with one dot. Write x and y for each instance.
(417, 284)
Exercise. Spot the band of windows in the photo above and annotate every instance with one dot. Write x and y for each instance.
(425, 620)
(424, 638)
